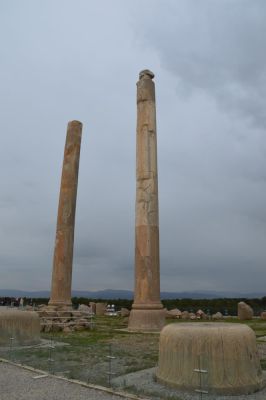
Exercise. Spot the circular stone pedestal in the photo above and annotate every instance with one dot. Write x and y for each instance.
(220, 358)
(22, 326)
(148, 320)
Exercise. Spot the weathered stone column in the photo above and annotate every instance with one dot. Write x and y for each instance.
(64, 242)
(147, 311)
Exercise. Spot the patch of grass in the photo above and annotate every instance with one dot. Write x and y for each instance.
(263, 364)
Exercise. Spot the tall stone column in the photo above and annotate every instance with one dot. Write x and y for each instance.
(64, 242)
(147, 311)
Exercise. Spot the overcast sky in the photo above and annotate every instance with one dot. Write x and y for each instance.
(63, 60)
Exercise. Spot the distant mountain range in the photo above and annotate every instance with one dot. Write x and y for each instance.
(127, 294)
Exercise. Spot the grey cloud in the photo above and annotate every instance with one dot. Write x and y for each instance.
(216, 47)
(63, 61)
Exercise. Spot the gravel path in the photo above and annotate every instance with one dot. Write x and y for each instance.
(17, 383)
(143, 383)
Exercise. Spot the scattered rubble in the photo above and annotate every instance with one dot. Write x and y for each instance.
(124, 312)
(244, 311)
(217, 315)
(263, 315)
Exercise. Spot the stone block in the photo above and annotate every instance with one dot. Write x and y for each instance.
(185, 315)
(124, 312)
(217, 315)
(263, 315)
(244, 311)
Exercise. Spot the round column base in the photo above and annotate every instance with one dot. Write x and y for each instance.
(221, 358)
(60, 305)
(23, 327)
(149, 320)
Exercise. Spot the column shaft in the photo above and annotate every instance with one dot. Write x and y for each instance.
(64, 242)
(147, 313)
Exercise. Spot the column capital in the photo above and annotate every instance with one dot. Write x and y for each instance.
(146, 74)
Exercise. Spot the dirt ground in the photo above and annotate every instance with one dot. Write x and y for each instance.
(93, 356)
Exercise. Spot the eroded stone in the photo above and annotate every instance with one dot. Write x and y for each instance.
(226, 352)
(147, 311)
(63, 252)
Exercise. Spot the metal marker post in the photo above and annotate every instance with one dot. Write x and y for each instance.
(110, 358)
(92, 321)
(50, 359)
(11, 348)
(201, 371)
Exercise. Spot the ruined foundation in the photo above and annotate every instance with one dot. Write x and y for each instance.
(220, 358)
(22, 326)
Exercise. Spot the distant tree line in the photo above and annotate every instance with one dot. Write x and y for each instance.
(8, 301)
(209, 306)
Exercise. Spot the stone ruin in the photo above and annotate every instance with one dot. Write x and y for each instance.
(59, 314)
(147, 312)
(263, 315)
(175, 313)
(70, 320)
(67, 321)
(22, 327)
(100, 308)
(244, 311)
(225, 354)
(64, 241)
